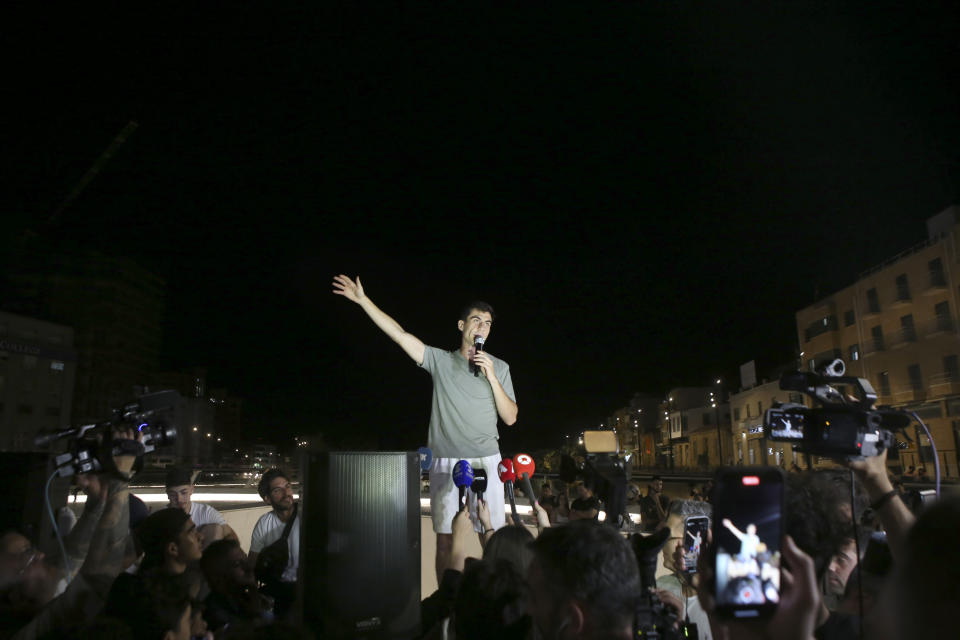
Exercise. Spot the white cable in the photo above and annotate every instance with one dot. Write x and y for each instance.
(56, 529)
(933, 446)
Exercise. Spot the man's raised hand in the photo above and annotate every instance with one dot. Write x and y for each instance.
(349, 289)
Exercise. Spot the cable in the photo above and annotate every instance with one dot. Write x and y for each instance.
(56, 529)
(936, 458)
(856, 542)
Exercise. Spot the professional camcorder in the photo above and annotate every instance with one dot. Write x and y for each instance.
(603, 472)
(845, 425)
(91, 447)
(653, 619)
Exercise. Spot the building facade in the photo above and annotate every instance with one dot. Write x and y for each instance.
(38, 366)
(897, 326)
(748, 407)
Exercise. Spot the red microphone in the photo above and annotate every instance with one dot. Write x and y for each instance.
(507, 476)
(524, 467)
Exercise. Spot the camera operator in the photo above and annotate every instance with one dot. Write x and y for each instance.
(27, 606)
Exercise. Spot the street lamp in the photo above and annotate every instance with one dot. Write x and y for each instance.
(716, 411)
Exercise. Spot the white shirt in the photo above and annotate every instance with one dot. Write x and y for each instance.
(202, 514)
(269, 529)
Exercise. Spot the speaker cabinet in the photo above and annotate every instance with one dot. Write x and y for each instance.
(360, 544)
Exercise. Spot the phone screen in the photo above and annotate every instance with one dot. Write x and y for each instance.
(747, 528)
(694, 535)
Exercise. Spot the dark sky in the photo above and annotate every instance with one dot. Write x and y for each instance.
(645, 192)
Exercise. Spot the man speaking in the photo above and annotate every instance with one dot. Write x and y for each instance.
(471, 389)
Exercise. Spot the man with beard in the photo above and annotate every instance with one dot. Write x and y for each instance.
(275, 489)
(838, 573)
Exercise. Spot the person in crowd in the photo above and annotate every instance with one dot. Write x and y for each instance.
(585, 509)
(837, 573)
(583, 582)
(491, 602)
(922, 475)
(654, 505)
(926, 586)
(707, 492)
(678, 582)
(77, 540)
(910, 474)
(28, 606)
(549, 501)
(171, 552)
(210, 522)
(471, 391)
(276, 491)
(234, 598)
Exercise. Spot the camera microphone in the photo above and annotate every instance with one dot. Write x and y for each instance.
(462, 477)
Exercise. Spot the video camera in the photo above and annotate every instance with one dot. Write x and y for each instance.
(91, 447)
(603, 472)
(845, 426)
(653, 619)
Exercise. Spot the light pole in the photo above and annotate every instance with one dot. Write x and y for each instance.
(717, 397)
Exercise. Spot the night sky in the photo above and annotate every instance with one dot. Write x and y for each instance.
(645, 192)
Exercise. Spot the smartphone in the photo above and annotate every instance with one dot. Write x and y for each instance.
(694, 535)
(747, 529)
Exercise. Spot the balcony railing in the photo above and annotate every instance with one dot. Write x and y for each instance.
(902, 337)
(874, 345)
(940, 324)
(945, 384)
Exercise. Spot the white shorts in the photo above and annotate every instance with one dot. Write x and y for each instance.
(445, 496)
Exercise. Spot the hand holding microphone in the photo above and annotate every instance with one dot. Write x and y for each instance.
(477, 348)
(462, 477)
(507, 476)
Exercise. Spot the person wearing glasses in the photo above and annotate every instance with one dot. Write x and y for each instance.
(275, 489)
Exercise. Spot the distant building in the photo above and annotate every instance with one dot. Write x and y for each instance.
(115, 307)
(897, 326)
(38, 365)
(748, 407)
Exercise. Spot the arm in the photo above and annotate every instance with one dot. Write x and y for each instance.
(462, 529)
(483, 515)
(894, 515)
(729, 525)
(506, 408)
(77, 541)
(229, 533)
(353, 291)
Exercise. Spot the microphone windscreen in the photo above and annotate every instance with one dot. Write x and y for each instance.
(462, 474)
(479, 481)
(523, 464)
(505, 470)
(426, 458)
(478, 342)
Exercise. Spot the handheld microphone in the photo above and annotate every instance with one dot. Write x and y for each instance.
(524, 467)
(426, 458)
(479, 483)
(477, 347)
(507, 476)
(462, 477)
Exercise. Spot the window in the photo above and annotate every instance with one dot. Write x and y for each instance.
(873, 302)
(821, 326)
(794, 397)
(903, 289)
(853, 353)
(706, 418)
(56, 366)
(906, 326)
(848, 318)
(736, 414)
(759, 407)
(937, 278)
(883, 383)
(951, 368)
(942, 311)
(916, 381)
(877, 334)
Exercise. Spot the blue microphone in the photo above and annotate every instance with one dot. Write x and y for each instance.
(462, 477)
(426, 458)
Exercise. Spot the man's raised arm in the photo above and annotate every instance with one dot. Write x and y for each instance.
(353, 291)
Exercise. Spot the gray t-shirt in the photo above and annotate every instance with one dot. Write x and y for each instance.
(463, 417)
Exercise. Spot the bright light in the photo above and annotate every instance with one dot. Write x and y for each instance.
(209, 435)
(718, 380)
(194, 428)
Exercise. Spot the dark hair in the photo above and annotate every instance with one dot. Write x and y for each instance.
(269, 476)
(479, 305)
(814, 517)
(686, 508)
(214, 556)
(593, 564)
(179, 476)
(928, 580)
(510, 544)
(162, 608)
(490, 602)
(655, 478)
(157, 531)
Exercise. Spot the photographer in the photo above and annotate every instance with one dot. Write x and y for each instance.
(27, 605)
